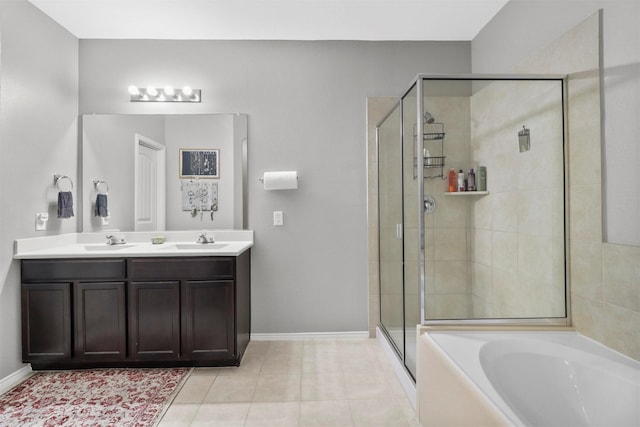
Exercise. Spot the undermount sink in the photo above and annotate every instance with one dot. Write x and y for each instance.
(105, 247)
(192, 246)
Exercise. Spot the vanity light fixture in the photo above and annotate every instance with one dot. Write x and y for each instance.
(166, 94)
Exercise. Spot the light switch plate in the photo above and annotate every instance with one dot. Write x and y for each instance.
(278, 218)
(41, 221)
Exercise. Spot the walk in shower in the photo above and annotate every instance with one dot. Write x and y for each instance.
(495, 252)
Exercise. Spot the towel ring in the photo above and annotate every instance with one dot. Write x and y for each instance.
(97, 183)
(57, 178)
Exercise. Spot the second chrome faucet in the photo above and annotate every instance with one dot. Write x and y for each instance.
(203, 238)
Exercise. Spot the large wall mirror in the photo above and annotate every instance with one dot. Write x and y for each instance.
(163, 172)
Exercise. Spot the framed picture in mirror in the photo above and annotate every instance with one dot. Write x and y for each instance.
(199, 163)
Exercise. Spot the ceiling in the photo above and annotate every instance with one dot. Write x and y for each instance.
(273, 19)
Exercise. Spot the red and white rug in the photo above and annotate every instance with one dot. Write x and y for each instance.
(97, 397)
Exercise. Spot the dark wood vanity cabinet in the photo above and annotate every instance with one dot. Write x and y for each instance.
(154, 320)
(46, 321)
(183, 311)
(100, 330)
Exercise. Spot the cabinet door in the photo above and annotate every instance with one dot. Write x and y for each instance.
(208, 320)
(100, 328)
(46, 321)
(154, 320)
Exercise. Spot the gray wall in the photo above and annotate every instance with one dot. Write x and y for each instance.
(306, 111)
(210, 132)
(108, 155)
(525, 26)
(38, 137)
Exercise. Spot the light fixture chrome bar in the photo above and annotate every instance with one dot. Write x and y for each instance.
(152, 94)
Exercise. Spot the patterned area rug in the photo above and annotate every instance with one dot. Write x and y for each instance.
(97, 397)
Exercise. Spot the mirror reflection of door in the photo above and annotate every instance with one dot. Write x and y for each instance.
(150, 184)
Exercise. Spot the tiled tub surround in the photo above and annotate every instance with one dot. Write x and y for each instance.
(138, 244)
(518, 378)
(604, 278)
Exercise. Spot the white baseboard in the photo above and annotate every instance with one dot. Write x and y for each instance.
(8, 382)
(309, 336)
(401, 373)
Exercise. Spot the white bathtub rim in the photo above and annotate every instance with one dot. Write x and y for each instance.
(471, 371)
(508, 416)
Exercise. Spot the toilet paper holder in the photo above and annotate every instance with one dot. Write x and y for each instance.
(280, 180)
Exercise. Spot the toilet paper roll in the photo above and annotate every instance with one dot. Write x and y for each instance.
(283, 180)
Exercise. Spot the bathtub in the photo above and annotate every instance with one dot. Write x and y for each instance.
(528, 378)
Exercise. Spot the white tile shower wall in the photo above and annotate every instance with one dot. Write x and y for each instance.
(513, 228)
(605, 278)
(447, 246)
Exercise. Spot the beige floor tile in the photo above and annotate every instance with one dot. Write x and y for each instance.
(250, 365)
(234, 388)
(326, 414)
(323, 387)
(382, 412)
(296, 383)
(179, 415)
(277, 388)
(196, 387)
(221, 414)
(282, 364)
(369, 391)
(321, 362)
(288, 348)
(280, 414)
(257, 347)
(371, 377)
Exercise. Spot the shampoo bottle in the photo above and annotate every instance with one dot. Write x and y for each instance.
(471, 181)
(452, 180)
(461, 185)
(482, 178)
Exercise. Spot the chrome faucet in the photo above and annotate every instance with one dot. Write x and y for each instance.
(113, 240)
(203, 238)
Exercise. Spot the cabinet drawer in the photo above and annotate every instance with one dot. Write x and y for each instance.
(181, 268)
(76, 269)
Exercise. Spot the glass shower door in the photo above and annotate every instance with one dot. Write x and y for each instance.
(411, 177)
(399, 227)
(390, 228)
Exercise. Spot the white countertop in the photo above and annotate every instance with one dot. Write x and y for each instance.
(138, 244)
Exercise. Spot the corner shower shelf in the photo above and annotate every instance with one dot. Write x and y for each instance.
(434, 162)
(434, 136)
(466, 193)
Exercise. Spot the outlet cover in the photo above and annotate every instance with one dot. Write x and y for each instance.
(278, 218)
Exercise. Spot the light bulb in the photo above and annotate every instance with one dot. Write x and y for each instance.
(133, 90)
(187, 90)
(152, 91)
(168, 90)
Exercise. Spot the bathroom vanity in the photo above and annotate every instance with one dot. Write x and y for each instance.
(176, 304)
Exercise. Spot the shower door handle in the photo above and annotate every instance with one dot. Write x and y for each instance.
(399, 231)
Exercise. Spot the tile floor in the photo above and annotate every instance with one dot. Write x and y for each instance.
(296, 383)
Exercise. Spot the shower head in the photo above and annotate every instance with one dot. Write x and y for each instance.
(428, 118)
